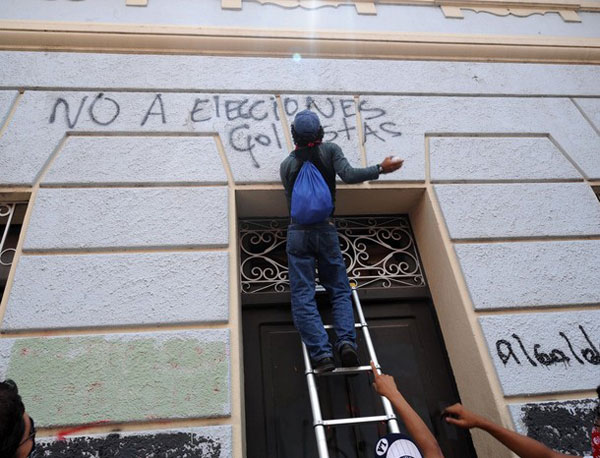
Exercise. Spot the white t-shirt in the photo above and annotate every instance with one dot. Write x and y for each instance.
(396, 446)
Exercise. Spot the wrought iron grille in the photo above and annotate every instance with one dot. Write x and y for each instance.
(11, 220)
(379, 252)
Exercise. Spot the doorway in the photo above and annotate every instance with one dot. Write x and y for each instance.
(383, 259)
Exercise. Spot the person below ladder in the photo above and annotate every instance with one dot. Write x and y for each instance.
(312, 239)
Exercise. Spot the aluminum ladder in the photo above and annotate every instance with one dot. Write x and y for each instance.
(318, 422)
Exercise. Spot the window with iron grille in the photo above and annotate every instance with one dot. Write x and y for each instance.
(11, 221)
(379, 252)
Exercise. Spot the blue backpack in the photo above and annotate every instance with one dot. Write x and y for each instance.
(311, 198)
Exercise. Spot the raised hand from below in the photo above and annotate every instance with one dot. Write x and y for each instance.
(417, 429)
(384, 384)
(459, 416)
(524, 446)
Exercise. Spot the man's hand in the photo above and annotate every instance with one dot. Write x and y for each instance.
(459, 416)
(384, 384)
(524, 446)
(389, 165)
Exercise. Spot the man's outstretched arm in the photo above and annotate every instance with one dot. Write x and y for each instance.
(417, 429)
(523, 446)
(350, 175)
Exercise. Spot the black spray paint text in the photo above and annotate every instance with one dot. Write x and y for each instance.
(515, 350)
(241, 115)
(328, 108)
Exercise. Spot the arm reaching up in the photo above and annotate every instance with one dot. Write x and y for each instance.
(417, 429)
(523, 446)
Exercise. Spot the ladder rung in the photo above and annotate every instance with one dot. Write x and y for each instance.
(356, 325)
(355, 420)
(345, 371)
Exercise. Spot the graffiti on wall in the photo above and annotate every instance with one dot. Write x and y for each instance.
(245, 112)
(565, 351)
(562, 425)
(544, 352)
(114, 445)
(338, 117)
(247, 124)
(239, 112)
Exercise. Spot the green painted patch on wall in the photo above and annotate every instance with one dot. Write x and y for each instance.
(136, 377)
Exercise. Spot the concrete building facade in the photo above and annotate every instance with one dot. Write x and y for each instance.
(136, 153)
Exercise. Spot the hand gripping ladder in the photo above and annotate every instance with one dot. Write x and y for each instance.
(318, 422)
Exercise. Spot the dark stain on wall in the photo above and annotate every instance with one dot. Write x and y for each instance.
(562, 426)
(160, 445)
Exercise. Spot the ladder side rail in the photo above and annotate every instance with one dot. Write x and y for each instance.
(387, 406)
(315, 406)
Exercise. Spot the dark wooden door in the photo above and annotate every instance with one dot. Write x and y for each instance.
(409, 347)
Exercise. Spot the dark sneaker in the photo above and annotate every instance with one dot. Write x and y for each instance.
(324, 365)
(349, 356)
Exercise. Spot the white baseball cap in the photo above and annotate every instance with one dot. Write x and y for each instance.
(396, 446)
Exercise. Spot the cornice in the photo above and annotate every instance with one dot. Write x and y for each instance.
(567, 9)
(98, 37)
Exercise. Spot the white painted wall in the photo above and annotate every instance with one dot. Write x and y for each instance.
(195, 74)
(142, 168)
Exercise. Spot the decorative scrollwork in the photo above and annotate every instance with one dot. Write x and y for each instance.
(263, 258)
(6, 209)
(379, 252)
(8, 225)
(7, 256)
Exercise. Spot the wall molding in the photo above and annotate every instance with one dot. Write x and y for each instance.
(451, 8)
(86, 37)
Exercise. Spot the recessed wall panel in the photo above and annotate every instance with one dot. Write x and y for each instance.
(107, 290)
(537, 353)
(98, 218)
(488, 211)
(491, 158)
(120, 377)
(531, 274)
(123, 160)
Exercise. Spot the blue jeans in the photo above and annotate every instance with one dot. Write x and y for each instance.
(308, 247)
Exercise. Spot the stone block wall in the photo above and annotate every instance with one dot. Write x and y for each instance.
(525, 240)
(127, 233)
(123, 305)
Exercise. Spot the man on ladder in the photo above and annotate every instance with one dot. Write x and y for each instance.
(308, 176)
